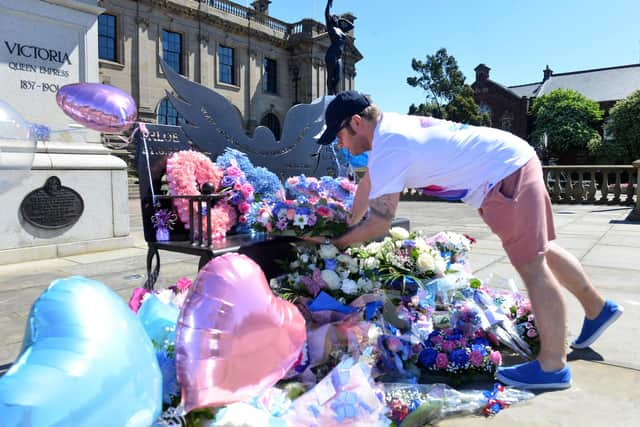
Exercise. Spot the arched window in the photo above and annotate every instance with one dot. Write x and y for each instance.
(167, 114)
(271, 121)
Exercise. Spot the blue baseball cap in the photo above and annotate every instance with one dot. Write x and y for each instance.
(339, 111)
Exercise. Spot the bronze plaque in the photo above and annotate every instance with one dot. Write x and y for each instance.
(52, 206)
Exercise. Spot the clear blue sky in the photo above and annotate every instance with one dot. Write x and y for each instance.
(515, 38)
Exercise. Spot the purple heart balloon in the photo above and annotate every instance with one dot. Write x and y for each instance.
(98, 106)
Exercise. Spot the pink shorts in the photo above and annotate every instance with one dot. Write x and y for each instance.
(518, 210)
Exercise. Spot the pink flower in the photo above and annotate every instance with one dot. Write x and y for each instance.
(311, 220)
(531, 318)
(436, 340)
(323, 211)
(291, 213)
(136, 298)
(242, 219)
(532, 333)
(495, 357)
(184, 283)
(233, 171)
(442, 360)
(463, 342)
(247, 190)
(244, 207)
(394, 344)
(476, 358)
(448, 346)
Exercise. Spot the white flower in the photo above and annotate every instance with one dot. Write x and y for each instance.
(294, 265)
(425, 262)
(371, 263)
(304, 258)
(440, 266)
(349, 287)
(346, 259)
(365, 284)
(422, 245)
(331, 278)
(399, 233)
(165, 296)
(327, 251)
(373, 248)
(300, 221)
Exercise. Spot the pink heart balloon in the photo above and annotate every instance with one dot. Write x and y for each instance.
(235, 338)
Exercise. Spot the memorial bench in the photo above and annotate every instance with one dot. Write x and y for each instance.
(195, 239)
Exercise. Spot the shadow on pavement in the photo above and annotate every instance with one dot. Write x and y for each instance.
(584, 354)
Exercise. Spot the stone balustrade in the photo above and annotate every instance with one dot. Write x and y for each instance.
(586, 184)
(286, 30)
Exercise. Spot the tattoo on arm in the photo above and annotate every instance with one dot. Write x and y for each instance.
(384, 206)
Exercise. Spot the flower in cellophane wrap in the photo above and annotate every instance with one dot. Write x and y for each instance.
(340, 189)
(453, 247)
(300, 217)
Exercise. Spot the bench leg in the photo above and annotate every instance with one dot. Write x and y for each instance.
(204, 259)
(152, 276)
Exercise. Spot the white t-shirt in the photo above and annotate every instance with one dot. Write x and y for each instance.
(449, 160)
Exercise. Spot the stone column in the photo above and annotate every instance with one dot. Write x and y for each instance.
(634, 215)
(74, 198)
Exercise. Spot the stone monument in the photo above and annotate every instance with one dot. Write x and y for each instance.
(74, 199)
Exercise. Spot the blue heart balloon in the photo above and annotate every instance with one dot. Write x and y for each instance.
(159, 319)
(85, 361)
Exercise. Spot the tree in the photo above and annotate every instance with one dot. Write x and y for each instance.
(569, 120)
(447, 95)
(624, 127)
(463, 109)
(439, 77)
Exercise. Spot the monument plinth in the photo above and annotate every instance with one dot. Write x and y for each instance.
(45, 45)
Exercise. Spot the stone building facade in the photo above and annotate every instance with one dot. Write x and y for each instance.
(259, 63)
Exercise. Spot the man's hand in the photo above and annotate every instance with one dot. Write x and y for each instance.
(314, 239)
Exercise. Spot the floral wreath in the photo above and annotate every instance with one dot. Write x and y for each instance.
(187, 171)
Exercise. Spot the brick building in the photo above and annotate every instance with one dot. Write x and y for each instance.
(508, 106)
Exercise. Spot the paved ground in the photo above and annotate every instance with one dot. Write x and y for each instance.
(606, 386)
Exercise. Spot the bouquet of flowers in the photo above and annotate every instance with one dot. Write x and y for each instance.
(404, 261)
(340, 190)
(525, 322)
(301, 218)
(266, 184)
(324, 269)
(453, 247)
(238, 189)
(449, 351)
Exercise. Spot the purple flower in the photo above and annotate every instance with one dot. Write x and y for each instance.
(227, 181)
(477, 359)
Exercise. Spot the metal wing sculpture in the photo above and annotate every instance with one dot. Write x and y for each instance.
(213, 123)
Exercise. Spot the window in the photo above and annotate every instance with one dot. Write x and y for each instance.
(270, 75)
(271, 121)
(484, 108)
(507, 121)
(167, 114)
(107, 37)
(172, 50)
(226, 67)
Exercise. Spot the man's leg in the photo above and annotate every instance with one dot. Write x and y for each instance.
(567, 269)
(549, 309)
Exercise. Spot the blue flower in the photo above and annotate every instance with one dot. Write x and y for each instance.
(459, 357)
(428, 357)
(480, 348)
(330, 264)
(481, 341)
(228, 181)
(169, 380)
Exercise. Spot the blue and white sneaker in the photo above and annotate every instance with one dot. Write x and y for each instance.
(530, 376)
(592, 329)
